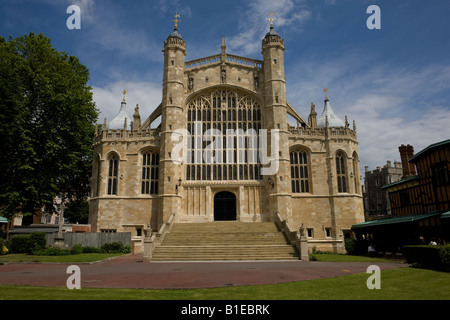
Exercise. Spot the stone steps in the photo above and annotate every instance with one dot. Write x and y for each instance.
(224, 240)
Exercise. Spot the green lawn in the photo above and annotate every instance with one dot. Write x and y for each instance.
(330, 257)
(396, 284)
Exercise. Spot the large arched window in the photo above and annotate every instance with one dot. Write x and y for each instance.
(150, 167)
(113, 174)
(341, 172)
(299, 172)
(223, 145)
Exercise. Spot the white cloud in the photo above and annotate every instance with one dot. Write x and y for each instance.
(254, 23)
(87, 8)
(392, 105)
(174, 6)
(109, 98)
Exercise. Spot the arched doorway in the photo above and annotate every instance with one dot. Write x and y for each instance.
(224, 206)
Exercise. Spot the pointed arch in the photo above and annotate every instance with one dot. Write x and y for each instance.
(113, 173)
(300, 169)
(211, 113)
(341, 171)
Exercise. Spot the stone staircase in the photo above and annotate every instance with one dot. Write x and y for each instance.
(224, 240)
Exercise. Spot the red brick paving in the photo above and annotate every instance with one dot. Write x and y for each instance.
(131, 272)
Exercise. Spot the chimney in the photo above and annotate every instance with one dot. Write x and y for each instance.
(406, 152)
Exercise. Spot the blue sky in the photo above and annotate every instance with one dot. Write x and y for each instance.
(394, 82)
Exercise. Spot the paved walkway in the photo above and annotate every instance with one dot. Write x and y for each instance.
(130, 271)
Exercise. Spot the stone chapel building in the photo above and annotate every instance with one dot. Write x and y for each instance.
(217, 108)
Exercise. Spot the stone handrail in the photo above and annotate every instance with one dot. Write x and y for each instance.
(244, 61)
(201, 62)
(125, 134)
(283, 227)
(165, 228)
(157, 238)
(294, 237)
(218, 58)
(300, 131)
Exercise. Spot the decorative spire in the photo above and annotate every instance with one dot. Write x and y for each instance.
(176, 21)
(121, 120)
(328, 118)
(224, 47)
(272, 36)
(175, 33)
(271, 19)
(312, 119)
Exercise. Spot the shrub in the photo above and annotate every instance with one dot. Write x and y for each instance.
(76, 249)
(20, 244)
(113, 247)
(27, 243)
(127, 249)
(91, 250)
(350, 246)
(428, 257)
(445, 257)
(38, 240)
(355, 247)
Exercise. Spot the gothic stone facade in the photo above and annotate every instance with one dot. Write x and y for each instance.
(136, 182)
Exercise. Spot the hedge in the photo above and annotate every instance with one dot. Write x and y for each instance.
(29, 242)
(428, 257)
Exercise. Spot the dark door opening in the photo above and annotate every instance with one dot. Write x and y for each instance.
(224, 206)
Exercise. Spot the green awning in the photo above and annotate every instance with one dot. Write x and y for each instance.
(445, 215)
(3, 220)
(394, 220)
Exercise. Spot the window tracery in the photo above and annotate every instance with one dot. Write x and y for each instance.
(223, 141)
(300, 181)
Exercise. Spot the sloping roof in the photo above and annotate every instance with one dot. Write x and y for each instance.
(445, 215)
(272, 32)
(408, 179)
(333, 120)
(395, 220)
(175, 34)
(430, 147)
(119, 121)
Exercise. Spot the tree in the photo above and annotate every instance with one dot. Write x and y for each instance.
(47, 118)
(77, 211)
